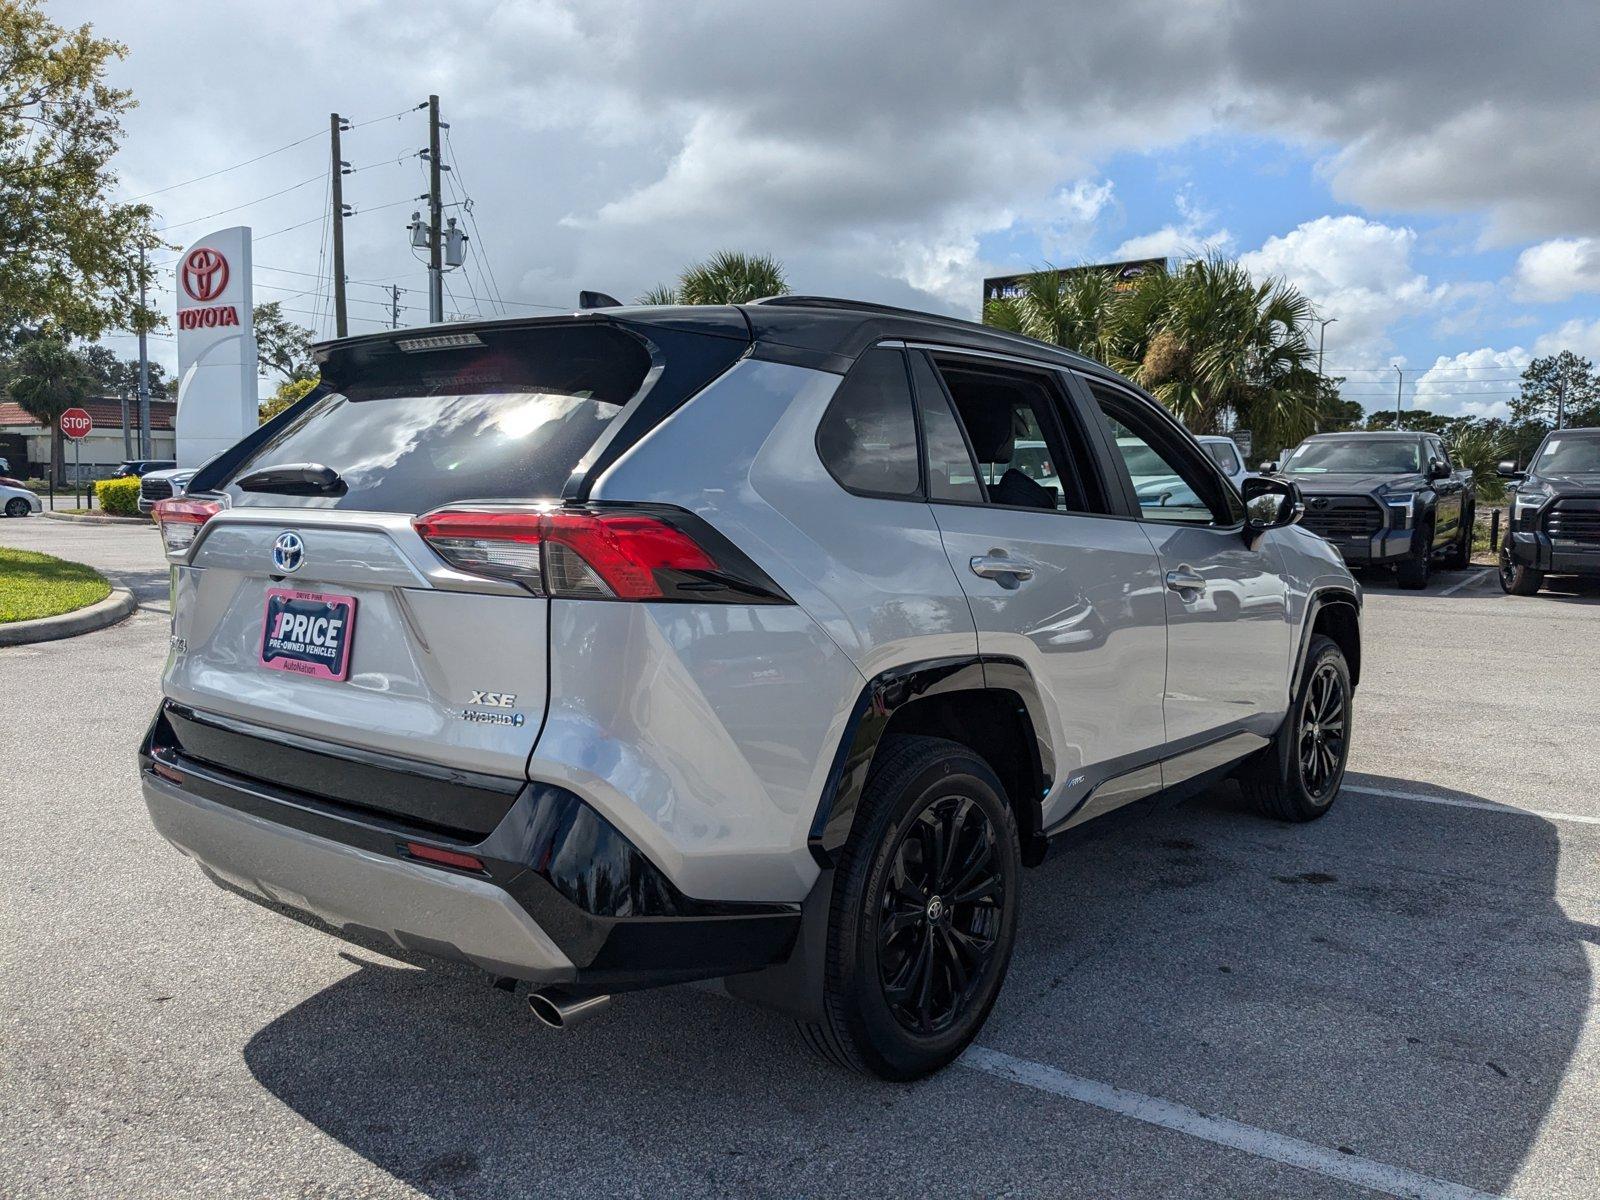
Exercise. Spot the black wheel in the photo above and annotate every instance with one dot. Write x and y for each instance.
(1460, 557)
(1297, 778)
(924, 912)
(1516, 579)
(17, 507)
(1413, 574)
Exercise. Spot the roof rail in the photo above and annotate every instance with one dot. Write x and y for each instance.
(865, 306)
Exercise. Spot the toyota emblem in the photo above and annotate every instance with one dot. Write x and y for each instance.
(288, 552)
(1320, 502)
(204, 274)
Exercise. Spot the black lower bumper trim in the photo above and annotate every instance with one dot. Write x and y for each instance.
(619, 920)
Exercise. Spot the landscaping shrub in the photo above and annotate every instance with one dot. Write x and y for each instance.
(118, 497)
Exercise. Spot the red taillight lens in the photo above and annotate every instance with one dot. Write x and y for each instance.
(589, 555)
(180, 520)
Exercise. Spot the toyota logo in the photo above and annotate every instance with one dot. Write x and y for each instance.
(204, 274)
(288, 552)
(1320, 502)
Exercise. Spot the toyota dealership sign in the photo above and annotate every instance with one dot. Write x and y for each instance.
(217, 378)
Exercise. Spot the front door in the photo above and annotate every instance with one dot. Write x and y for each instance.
(1228, 637)
(1074, 594)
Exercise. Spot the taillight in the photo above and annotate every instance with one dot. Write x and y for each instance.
(599, 554)
(180, 520)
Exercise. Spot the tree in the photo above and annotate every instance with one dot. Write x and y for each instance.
(289, 392)
(727, 277)
(282, 345)
(69, 252)
(112, 376)
(1550, 380)
(1479, 446)
(1217, 348)
(47, 379)
(1071, 309)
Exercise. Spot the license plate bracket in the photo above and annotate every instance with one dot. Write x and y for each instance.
(308, 633)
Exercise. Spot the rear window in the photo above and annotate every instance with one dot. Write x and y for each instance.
(412, 432)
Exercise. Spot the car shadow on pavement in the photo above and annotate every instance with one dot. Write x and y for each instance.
(1397, 980)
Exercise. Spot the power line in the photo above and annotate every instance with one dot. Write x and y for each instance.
(235, 167)
(267, 154)
(221, 211)
(467, 207)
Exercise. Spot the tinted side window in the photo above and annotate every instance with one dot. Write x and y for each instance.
(868, 436)
(1170, 480)
(952, 475)
(1010, 423)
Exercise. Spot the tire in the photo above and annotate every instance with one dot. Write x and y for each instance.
(877, 1017)
(1516, 579)
(1460, 557)
(1413, 574)
(1297, 778)
(18, 507)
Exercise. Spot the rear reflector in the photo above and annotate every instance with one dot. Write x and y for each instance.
(180, 520)
(607, 554)
(443, 858)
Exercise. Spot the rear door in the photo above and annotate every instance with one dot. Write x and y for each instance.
(311, 605)
(1228, 638)
(1053, 581)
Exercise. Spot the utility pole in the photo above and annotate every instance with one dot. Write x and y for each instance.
(1399, 382)
(1322, 335)
(341, 323)
(1561, 396)
(127, 423)
(144, 369)
(394, 306)
(435, 218)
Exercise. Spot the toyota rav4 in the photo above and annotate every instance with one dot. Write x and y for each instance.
(765, 643)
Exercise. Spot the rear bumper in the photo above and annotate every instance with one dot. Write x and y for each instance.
(561, 897)
(356, 891)
(1540, 551)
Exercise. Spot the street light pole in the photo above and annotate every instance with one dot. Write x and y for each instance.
(1399, 382)
(1322, 334)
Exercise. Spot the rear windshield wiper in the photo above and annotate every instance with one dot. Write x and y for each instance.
(294, 479)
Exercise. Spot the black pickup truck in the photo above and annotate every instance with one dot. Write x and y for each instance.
(1555, 512)
(1385, 500)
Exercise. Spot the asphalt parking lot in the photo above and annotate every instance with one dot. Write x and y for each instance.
(1398, 999)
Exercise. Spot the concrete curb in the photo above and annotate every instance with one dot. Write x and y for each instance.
(116, 607)
(83, 519)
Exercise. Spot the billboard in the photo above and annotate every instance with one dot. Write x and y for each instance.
(1126, 274)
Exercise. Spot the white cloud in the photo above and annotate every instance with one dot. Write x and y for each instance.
(1190, 237)
(1475, 383)
(1357, 272)
(1557, 270)
(1579, 336)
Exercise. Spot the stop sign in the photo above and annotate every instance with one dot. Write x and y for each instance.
(76, 423)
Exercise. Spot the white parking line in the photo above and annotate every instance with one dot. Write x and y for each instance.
(1180, 1118)
(1467, 582)
(1485, 805)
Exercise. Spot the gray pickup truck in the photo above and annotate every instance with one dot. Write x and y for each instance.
(1385, 500)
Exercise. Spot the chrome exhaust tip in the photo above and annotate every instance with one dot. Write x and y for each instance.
(558, 1008)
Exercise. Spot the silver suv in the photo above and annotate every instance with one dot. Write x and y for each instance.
(764, 643)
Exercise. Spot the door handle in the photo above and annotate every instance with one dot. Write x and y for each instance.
(998, 566)
(1186, 580)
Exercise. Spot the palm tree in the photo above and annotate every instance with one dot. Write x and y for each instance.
(1480, 448)
(1071, 310)
(727, 277)
(46, 379)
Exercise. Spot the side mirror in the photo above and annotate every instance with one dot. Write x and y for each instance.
(1438, 469)
(1270, 504)
(1508, 470)
(1268, 467)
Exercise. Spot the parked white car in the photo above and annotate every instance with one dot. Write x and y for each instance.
(1224, 451)
(162, 485)
(16, 500)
